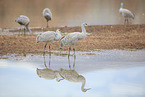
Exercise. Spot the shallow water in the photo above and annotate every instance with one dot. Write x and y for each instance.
(112, 73)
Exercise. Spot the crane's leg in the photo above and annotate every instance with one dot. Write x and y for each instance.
(74, 56)
(19, 30)
(127, 20)
(69, 50)
(49, 59)
(44, 49)
(47, 25)
(69, 62)
(74, 61)
(74, 49)
(60, 51)
(124, 21)
(49, 55)
(44, 62)
(68, 57)
(24, 31)
(49, 49)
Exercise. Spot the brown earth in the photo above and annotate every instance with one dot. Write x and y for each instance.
(99, 37)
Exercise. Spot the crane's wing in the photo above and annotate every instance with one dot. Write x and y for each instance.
(128, 13)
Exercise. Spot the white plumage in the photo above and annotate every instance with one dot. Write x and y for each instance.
(47, 14)
(126, 13)
(23, 20)
(48, 37)
(73, 38)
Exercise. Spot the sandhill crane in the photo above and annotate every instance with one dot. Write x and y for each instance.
(73, 38)
(126, 13)
(23, 20)
(48, 37)
(47, 14)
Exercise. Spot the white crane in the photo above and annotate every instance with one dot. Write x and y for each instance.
(73, 76)
(73, 38)
(48, 37)
(47, 14)
(126, 13)
(23, 20)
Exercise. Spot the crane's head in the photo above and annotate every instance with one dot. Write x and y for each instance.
(84, 24)
(121, 4)
(58, 30)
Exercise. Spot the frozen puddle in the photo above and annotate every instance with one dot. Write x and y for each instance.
(109, 73)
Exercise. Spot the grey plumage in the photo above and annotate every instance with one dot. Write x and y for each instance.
(126, 13)
(23, 20)
(73, 38)
(48, 37)
(47, 15)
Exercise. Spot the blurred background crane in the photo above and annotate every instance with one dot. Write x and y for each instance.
(23, 20)
(126, 14)
(47, 15)
(70, 12)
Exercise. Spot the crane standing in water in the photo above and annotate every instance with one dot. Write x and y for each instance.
(126, 13)
(73, 38)
(47, 14)
(48, 37)
(23, 20)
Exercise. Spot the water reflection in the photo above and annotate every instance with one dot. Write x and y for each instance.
(61, 74)
(113, 73)
(73, 76)
(73, 62)
(48, 73)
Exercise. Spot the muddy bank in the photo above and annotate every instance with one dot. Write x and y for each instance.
(98, 37)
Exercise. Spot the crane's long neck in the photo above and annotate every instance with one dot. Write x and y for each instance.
(121, 5)
(83, 80)
(83, 85)
(83, 29)
(28, 29)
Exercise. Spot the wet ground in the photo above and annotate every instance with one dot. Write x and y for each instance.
(107, 72)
